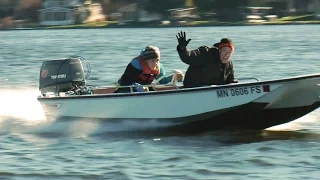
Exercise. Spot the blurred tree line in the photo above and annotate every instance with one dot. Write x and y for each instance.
(225, 10)
(20, 9)
(29, 8)
(202, 5)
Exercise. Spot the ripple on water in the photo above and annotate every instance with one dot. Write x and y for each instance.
(260, 162)
(173, 159)
(266, 149)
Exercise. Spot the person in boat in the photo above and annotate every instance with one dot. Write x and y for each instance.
(145, 69)
(207, 65)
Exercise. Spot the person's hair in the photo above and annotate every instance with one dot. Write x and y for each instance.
(225, 42)
(150, 52)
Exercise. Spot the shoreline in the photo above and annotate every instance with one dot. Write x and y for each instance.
(145, 25)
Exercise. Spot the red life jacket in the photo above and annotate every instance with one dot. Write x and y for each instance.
(148, 75)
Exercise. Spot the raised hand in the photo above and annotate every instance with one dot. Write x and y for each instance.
(183, 42)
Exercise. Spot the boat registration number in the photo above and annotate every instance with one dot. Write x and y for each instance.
(53, 105)
(242, 91)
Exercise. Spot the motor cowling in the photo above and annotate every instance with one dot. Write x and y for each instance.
(61, 75)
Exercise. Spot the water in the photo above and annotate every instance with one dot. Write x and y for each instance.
(33, 148)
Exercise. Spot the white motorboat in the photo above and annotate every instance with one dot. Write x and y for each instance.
(253, 105)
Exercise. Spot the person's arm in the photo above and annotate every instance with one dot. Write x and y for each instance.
(231, 78)
(196, 57)
(162, 78)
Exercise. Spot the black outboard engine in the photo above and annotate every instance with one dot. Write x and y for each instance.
(61, 75)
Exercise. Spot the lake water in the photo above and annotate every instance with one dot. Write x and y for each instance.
(32, 148)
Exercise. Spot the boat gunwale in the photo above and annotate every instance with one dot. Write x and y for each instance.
(183, 90)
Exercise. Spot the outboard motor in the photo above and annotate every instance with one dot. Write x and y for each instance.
(61, 75)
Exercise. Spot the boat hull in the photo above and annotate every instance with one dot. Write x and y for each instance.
(250, 116)
(256, 105)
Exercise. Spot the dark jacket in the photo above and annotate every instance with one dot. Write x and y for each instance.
(205, 67)
(134, 70)
(132, 73)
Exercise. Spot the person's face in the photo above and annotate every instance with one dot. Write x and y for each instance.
(153, 63)
(225, 54)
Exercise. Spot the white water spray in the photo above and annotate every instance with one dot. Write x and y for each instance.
(21, 104)
(305, 122)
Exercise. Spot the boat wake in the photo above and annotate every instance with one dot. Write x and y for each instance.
(21, 104)
(309, 121)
